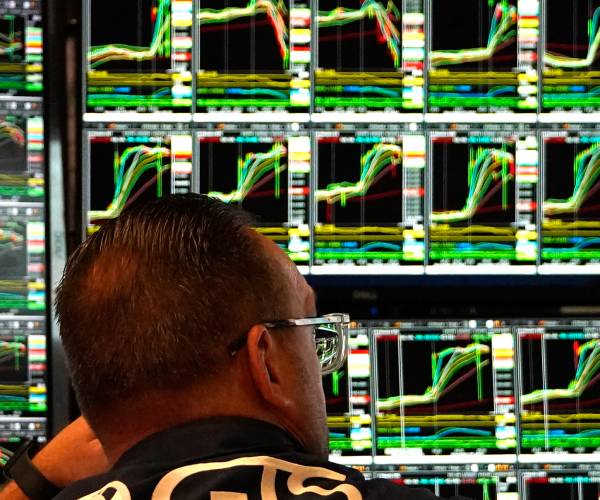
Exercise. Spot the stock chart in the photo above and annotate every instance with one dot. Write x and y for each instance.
(483, 198)
(571, 72)
(143, 63)
(265, 171)
(571, 213)
(130, 166)
(559, 370)
(440, 390)
(369, 55)
(369, 197)
(253, 56)
(489, 64)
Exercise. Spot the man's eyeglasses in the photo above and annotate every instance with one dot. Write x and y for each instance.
(330, 334)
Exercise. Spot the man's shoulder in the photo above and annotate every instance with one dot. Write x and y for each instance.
(282, 476)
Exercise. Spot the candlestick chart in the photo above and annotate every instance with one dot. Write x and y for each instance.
(571, 71)
(142, 69)
(365, 196)
(559, 400)
(435, 393)
(571, 211)
(477, 66)
(359, 56)
(252, 70)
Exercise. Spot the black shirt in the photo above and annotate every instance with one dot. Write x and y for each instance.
(217, 458)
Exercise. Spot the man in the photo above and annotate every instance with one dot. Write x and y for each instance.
(186, 339)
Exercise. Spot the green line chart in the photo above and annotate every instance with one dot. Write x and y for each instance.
(160, 45)
(384, 15)
(128, 168)
(444, 366)
(373, 164)
(275, 10)
(254, 168)
(486, 168)
(586, 169)
(12, 41)
(557, 60)
(588, 363)
(503, 31)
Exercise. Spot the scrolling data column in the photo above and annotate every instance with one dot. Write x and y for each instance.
(23, 402)
(348, 400)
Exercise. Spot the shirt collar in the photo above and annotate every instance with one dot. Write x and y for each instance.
(208, 438)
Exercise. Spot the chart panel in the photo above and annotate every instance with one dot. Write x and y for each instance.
(369, 56)
(143, 62)
(264, 169)
(483, 199)
(571, 70)
(444, 389)
(571, 207)
(129, 165)
(21, 157)
(22, 259)
(369, 199)
(21, 60)
(487, 65)
(253, 56)
(23, 397)
(559, 397)
(348, 400)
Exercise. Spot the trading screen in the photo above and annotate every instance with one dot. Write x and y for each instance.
(373, 137)
(23, 405)
(489, 409)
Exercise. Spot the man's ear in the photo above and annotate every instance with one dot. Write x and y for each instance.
(267, 368)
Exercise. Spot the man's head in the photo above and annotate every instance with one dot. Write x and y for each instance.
(149, 304)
